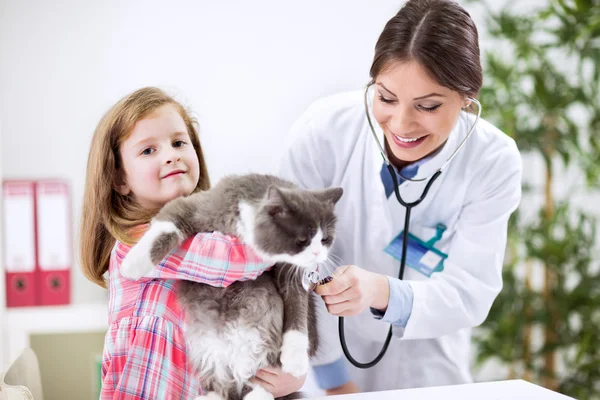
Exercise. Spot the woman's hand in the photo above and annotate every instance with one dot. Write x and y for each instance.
(278, 383)
(353, 289)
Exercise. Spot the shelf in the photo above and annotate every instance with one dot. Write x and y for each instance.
(20, 323)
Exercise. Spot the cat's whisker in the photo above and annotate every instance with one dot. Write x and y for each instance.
(288, 275)
(332, 267)
(334, 261)
(298, 274)
(327, 268)
(325, 264)
(331, 263)
(325, 271)
(335, 258)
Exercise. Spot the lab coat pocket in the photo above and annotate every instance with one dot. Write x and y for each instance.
(423, 257)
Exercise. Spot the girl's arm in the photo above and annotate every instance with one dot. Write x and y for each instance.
(212, 258)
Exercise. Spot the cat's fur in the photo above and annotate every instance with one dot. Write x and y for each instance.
(235, 331)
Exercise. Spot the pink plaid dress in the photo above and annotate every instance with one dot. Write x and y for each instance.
(144, 349)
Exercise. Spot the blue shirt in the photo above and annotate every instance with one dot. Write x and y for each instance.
(410, 171)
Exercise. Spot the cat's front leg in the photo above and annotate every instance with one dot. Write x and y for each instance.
(294, 353)
(155, 244)
(295, 347)
(177, 220)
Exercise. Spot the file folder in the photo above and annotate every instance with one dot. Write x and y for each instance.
(53, 211)
(19, 236)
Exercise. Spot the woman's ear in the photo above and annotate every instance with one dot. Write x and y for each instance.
(466, 103)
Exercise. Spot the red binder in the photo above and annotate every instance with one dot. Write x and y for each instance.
(53, 211)
(19, 243)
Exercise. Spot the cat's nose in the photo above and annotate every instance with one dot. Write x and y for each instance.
(315, 253)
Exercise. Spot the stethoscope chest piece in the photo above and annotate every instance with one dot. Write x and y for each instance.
(310, 279)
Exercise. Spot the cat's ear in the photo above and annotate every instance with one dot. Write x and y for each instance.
(275, 201)
(332, 195)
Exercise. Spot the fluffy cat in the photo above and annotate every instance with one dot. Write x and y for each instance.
(235, 331)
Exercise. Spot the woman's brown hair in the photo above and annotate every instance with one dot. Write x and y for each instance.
(441, 36)
(108, 216)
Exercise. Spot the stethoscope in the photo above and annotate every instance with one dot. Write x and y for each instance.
(409, 207)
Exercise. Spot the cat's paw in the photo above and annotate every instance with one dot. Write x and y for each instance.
(294, 353)
(258, 393)
(210, 396)
(137, 262)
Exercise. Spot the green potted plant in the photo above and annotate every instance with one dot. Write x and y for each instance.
(542, 88)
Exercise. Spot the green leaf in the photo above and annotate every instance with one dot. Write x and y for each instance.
(529, 92)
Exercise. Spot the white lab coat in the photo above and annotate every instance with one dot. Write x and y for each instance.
(331, 145)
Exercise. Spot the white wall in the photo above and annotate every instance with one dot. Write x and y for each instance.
(247, 69)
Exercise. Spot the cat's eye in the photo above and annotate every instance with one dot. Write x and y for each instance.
(326, 240)
(302, 242)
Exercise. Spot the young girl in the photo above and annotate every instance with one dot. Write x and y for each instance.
(145, 152)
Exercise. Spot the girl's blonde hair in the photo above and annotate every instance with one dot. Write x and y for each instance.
(108, 216)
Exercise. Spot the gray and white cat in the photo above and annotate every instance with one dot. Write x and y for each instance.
(235, 331)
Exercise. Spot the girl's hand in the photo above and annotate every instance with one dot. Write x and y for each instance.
(353, 289)
(278, 383)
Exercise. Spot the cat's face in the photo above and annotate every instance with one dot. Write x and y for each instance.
(297, 226)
